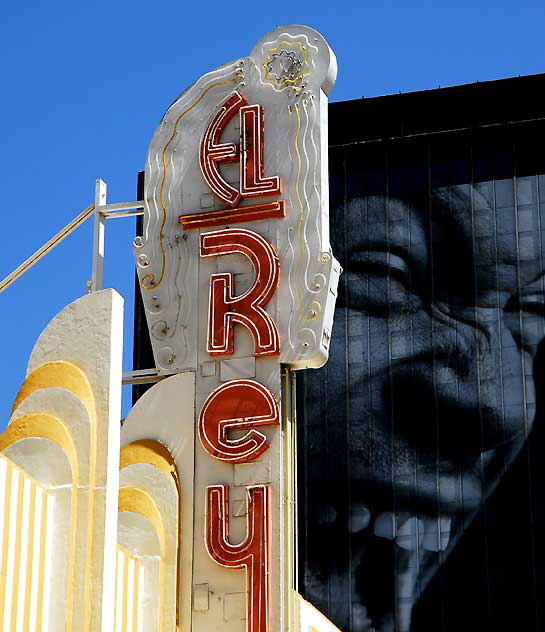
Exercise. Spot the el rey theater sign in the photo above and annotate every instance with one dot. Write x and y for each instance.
(239, 283)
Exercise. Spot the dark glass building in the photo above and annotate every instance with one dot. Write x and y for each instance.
(420, 446)
(421, 471)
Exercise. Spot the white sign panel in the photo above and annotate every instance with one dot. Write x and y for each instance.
(246, 144)
(238, 278)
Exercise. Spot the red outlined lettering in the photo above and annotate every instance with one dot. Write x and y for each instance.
(225, 308)
(251, 554)
(237, 405)
(252, 179)
(253, 182)
(242, 215)
(212, 152)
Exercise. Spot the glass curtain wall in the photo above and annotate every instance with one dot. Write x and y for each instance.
(421, 442)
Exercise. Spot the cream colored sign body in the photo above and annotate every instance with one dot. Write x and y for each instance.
(236, 185)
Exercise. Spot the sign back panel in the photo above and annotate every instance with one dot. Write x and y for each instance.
(245, 144)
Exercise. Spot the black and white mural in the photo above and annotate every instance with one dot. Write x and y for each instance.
(422, 441)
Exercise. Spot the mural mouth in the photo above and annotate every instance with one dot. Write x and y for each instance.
(427, 497)
(412, 533)
(397, 556)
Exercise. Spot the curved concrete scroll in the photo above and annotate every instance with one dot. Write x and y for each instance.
(64, 435)
(166, 414)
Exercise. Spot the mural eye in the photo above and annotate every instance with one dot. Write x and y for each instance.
(381, 264)
(379, 282)
(530, 304)
(525, 318)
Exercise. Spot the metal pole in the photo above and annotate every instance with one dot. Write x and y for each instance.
(97, 275)
(47, 247)
(101, 213)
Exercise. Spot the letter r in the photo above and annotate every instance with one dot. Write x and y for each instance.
(225, 308)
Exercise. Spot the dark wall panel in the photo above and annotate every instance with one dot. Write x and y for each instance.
(422, 476)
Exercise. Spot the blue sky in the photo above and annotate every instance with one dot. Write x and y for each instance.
(84, 84)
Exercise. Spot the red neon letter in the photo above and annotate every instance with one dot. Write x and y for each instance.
(213, 152)
(252, 553)
(247, 309)
(252, 180)
(237, 405)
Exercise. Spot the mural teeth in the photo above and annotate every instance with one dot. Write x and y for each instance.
(436, 534)
(410, 533)
(359, 520)
(384, 526)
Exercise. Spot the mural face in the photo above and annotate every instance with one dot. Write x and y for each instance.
(429, 394)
